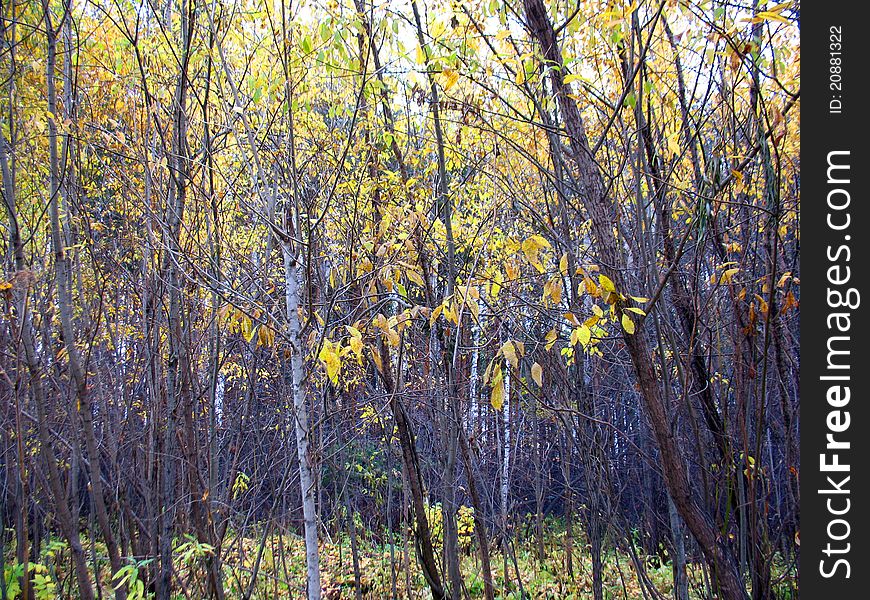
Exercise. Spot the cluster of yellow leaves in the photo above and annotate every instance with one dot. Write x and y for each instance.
(494, 375)
(451, 308)
(532, 249)
(237, 320)
(508, 356)
(553, 290)
(330, 357)
(390, 328)
(606, 290)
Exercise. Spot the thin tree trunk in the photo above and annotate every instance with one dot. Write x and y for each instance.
(568, 498)
(681, 581)
(302, 428)
(479, 524)
(411, 462)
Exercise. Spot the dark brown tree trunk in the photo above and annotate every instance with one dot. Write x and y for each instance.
(425, 550)
(479, 524)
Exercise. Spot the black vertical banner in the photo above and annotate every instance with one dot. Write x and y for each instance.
(835, 439)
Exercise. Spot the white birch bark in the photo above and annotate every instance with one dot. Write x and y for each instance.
(506, 447)
(474, 378)
(300, 409)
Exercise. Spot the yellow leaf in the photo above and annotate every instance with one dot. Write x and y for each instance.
(510, 353)
(551, 338)
(376, 358)
(449, 77)
(488, 372)
(538, 374)
(451, 314)
(563, 264)
(627, 324)
(532, 247)
(415, 277)
(265, 336)
(591, 288)
(606, 284)
(770, 16)
(536, 241)
(496, 398)
(553, 289)
(434, 316)
(495, 285)
(330, 359)
(727, 275)
(581, 334)
(356, 344)
(438, 27)
(790, 301)
(248, 329)
(674, 143)
(474, 307)
(762, 304)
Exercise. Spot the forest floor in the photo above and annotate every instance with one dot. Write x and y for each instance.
(281, 572)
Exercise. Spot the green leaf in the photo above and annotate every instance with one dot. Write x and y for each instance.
(306, 45)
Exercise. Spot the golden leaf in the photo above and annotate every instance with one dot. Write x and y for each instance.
(627, 324)
(538, 374)
(509, 351)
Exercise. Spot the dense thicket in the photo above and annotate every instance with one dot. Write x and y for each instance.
(448, 278)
